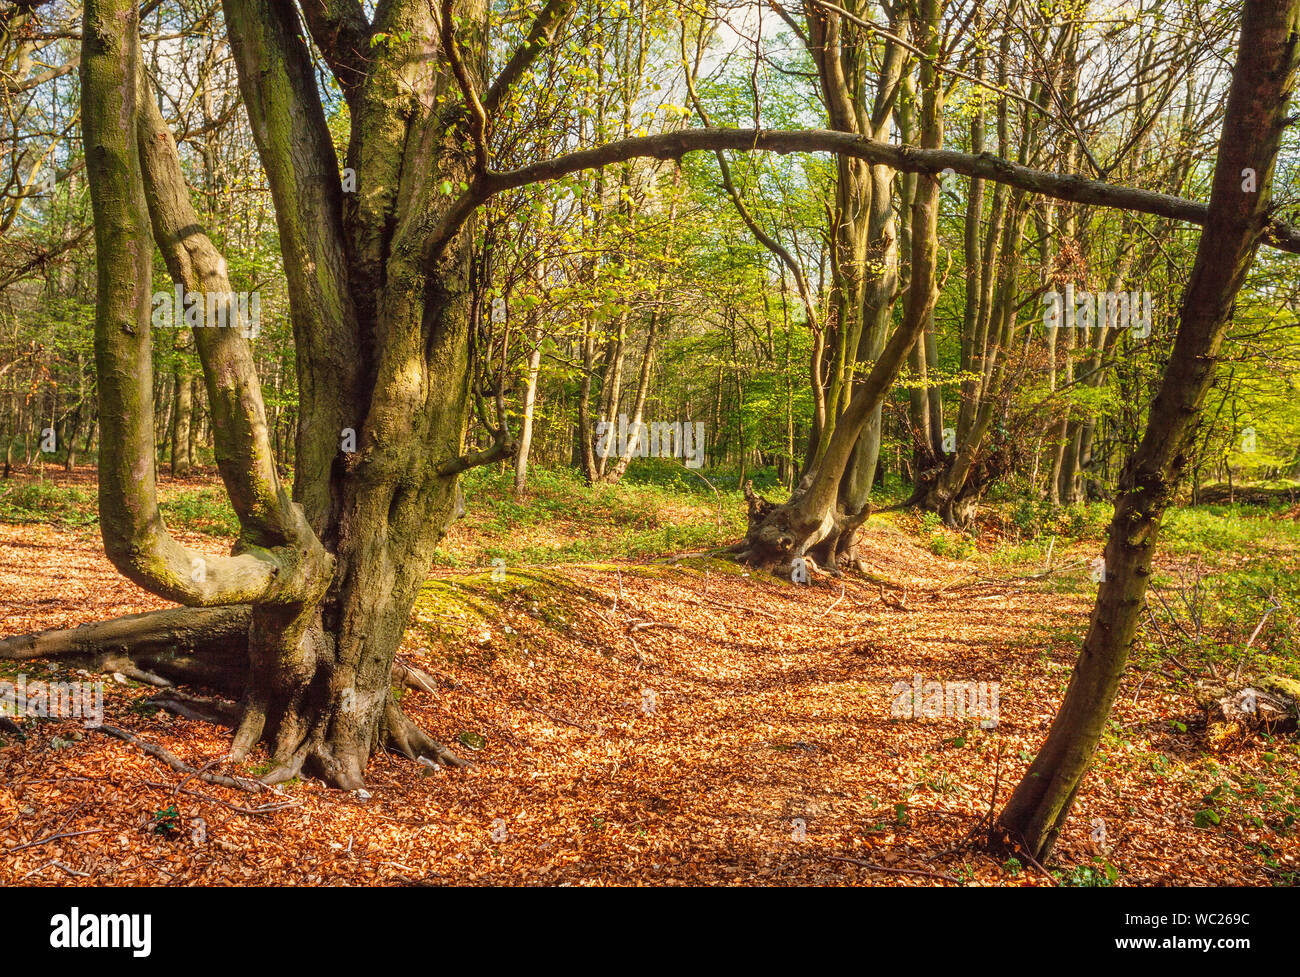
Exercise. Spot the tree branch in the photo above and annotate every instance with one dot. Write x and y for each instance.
(503, 447)
(341, 31)
(540, 35)
(765, 239)
(478, 121)
(135, 537)
(908, 159)
(278, 85)
(243, 445)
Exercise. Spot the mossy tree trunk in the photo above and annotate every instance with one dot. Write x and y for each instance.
(377, 284)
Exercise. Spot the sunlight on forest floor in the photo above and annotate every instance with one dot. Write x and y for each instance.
(661, 722)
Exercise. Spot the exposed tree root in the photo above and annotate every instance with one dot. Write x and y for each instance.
(402, 735)
(154, 750)
(209, 648)
(954, 491)
(217, 712)
(202, 646)
(410, 677)
(780, 535)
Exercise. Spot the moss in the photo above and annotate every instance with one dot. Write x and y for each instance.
(452, 609)
(712, 564)
(1280, 685)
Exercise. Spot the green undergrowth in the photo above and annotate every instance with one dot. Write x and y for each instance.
(653, 511)
(197, 509)
(47, 502)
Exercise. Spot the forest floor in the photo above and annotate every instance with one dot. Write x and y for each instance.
(660, 721)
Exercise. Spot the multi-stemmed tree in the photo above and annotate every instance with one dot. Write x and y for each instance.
(377, 282)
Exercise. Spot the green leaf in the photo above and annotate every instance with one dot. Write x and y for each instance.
(1206, 818)
(471, 740)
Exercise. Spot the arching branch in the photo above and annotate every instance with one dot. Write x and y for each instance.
(135, 537)
(907, 159)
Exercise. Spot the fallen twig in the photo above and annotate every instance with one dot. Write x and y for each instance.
(66, 868)
(263, 811)
(895, 603)
(550, 715)
(55, 837)
(734, 607)
(833, 606)
(642, 625)
(1255, 634)
(994, 581)
(1024, 850)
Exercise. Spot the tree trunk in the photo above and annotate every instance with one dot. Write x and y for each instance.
(378, 308)
(198, 418)
(530, 401)
(586, 446)
(954, 488)
(611, 388)
(638, 406)
(820, 523)
(183, 406)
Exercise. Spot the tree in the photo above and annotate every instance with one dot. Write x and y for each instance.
(822, 517)
(1257, 113)
(377, 287)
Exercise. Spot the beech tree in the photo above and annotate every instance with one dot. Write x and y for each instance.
(377, 287)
